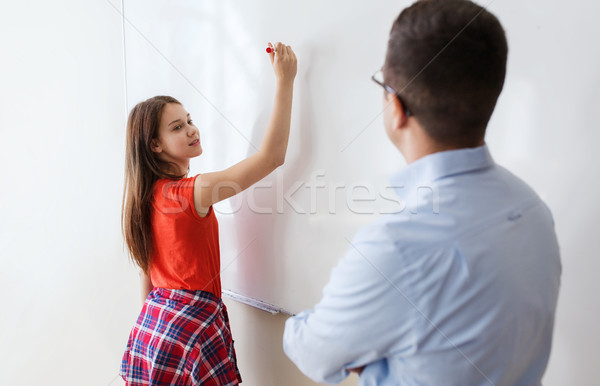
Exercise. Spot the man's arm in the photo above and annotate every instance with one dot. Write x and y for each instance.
(361, 318)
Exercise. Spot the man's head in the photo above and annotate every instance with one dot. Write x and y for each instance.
(447, 61)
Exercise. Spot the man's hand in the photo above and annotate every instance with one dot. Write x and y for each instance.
(357, 370)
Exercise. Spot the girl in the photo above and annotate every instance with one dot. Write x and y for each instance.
(182, 334)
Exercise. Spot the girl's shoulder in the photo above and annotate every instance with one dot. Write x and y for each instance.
(178, 193)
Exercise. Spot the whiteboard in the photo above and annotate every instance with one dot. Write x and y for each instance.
(280, 238)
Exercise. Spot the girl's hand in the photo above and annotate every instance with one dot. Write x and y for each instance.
(237, 178)
(284, 62)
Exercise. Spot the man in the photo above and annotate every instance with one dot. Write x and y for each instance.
(460, 288)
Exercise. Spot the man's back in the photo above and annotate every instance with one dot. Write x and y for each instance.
(459, 288)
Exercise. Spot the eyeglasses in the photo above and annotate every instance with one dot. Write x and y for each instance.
(378, 78)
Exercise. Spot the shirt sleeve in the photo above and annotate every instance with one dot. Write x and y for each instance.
(177, 196)
(364, 314)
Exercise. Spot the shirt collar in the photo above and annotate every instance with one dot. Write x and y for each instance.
(443, 164)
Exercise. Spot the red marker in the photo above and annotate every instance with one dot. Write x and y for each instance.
(270, 49)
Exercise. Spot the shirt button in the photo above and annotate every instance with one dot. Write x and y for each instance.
(514, 215)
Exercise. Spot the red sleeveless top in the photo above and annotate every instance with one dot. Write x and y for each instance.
(186, 246)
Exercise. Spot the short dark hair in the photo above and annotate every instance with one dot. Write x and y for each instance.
(447, 59)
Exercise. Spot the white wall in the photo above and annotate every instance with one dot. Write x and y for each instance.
(68, 292)
(71, 296)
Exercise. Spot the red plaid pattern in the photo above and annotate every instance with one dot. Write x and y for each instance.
(181, 337)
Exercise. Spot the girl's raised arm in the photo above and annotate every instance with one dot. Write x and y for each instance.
(210, 188)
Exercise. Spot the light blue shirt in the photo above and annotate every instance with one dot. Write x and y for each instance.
(458, 288)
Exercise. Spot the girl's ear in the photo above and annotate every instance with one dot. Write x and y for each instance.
(155, 146)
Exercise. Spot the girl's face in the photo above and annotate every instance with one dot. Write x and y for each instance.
(177, 136)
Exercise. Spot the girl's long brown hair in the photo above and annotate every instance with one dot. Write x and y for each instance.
(142, 169)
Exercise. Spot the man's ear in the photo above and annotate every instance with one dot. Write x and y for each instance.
(399, 118)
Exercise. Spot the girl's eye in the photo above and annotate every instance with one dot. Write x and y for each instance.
(178, 127)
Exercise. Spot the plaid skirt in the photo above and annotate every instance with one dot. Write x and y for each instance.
(181, 337)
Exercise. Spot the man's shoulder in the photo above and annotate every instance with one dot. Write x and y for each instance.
(517, 184)
(456, 208)
(392, 233)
